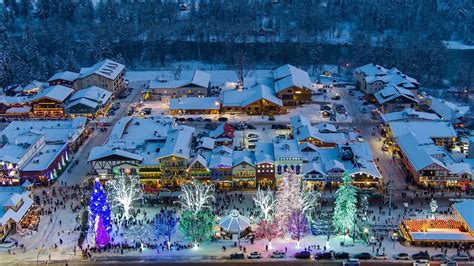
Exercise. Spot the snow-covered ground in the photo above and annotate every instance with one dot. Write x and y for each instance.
(457, 45)
(40, 245)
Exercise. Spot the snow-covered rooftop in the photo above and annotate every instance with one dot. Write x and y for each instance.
(107, 68)
(248, 96)
(464, 209)
(287, 76)
(419, 129)
(59, 93)
(199, 79)
(392, 92)
(195, 103)
(408, 115)
(65, 75)
(448, 110)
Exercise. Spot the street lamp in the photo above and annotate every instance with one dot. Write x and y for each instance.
(394, 238)
(366, 232)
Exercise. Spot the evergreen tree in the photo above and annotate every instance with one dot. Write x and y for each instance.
(345, 207)
(102, 237)
(98, 206)
(288, 199)
(197, 228)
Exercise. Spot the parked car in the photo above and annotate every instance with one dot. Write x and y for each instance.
(303, 255)
(146, 110)
(199, 119)
(252, 135)
(363, 256)
(341, 255)
(421, 263)
(401, 256)
(182, 119)
(449, 263)
(336, 97)
(237, 256)
(278, 255)
(421, 256)
(207, 120)
(255, 255)
(351, 262)
(252, 140)
(461, 257)
(271, 118)
(223, 119)
(190, 119)
(439, 257)
(365, 103)
(323, 256)
(325, 108)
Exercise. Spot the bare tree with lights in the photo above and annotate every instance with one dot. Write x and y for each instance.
(265, 201)
(196, 196)
(310, 200)
(124, 190)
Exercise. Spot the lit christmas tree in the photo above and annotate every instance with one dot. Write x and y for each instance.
(345, 207)
(265, 201)
(98, 206)
(101, 236)
(123, 191)
(297, 226)
(165, 225)
(269, 230)
(197, 228)
(288, 199)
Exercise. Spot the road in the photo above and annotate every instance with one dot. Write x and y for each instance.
(79, 171)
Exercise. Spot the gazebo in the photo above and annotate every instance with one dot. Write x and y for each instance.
(234, 223)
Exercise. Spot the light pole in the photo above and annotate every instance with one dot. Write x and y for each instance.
(394, 238)
(389, 188)
(366, 233)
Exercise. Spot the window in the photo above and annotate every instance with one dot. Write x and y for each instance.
(279, 169)
(297, 169)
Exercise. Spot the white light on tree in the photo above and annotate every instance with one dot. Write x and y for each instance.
(123, 191)
(196, 196)
(433, 207)
(265, 201)
(309, 200)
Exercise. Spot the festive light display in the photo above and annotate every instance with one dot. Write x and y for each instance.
(98, 206)
(309, 200)
(265, 201)
(433, 207)
(196, 196)
(123, 191)
(288, 199)
(165, 224)
(196, 227)
(269, 230)
(364, 207)
(297, 226)
(345, 207)
(101, 236)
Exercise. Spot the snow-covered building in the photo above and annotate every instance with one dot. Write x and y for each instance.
(259, 99)
(409, 114)
(89, 102)
(194, 105)
(287, 156)
(16, 204)
(265, 164)
(371, 78)
(38, 150)
(394, 98)
(132, 147)
(197, 86)
(292, 85)
(15, 106)
(65, 78)
(441, 133)
(431, 165)
(50, 102)
(448, 110)
(326, 166)
(106, 74)
(322, 135)
(243, 169)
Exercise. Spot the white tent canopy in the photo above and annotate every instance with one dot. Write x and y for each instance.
(234, 222)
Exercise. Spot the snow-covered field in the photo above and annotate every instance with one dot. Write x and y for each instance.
(457, 45)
